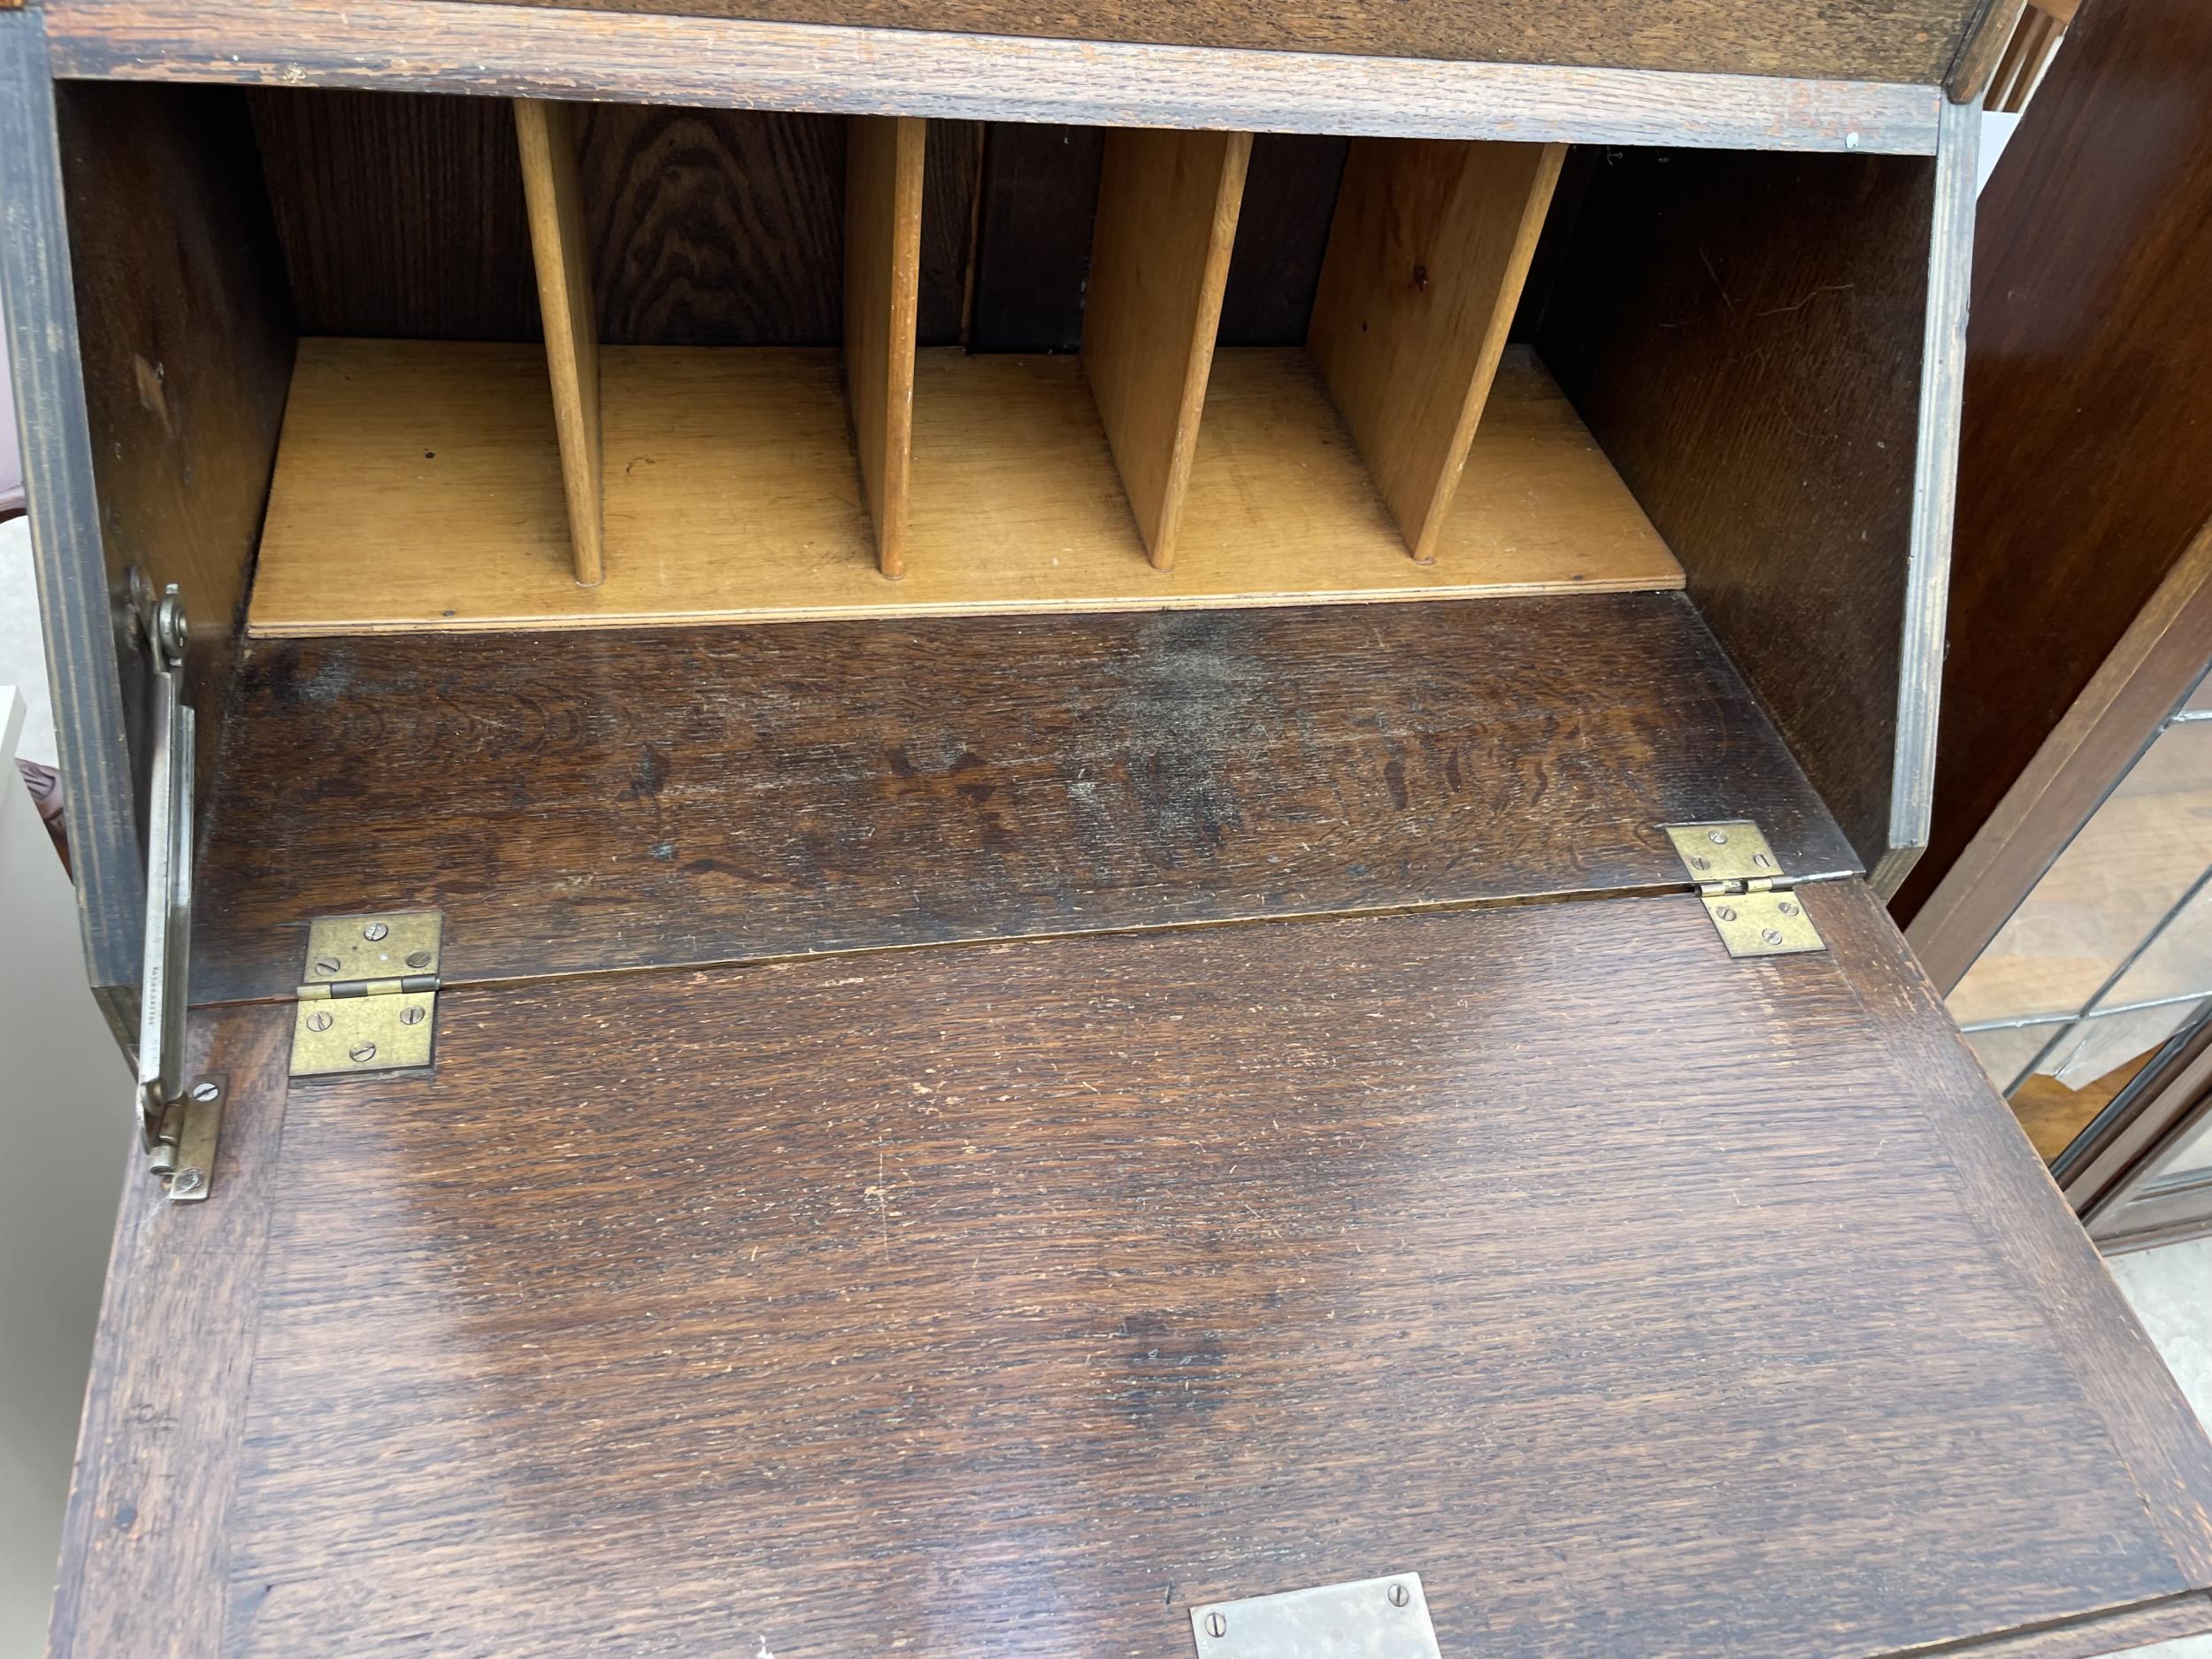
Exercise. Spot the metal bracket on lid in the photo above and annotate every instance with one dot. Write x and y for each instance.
(177, 1127)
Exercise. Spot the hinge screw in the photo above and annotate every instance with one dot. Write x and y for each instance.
(1725, 914)
(1763, 861)
(411, 1016)
(1719, 838)
(417, 958)
(374, 930)
(362, 1053)
(205, 1091)
(319, 1020)
(187, 1181)
(1701, 862)
(1217, 1625)
(1400, 1596)
(1786, 907)
(327, 965)
(1772, 935)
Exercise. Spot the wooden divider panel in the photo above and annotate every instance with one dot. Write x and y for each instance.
(1167, 217)
(883, 262)
(1432, 243)
(571, 327)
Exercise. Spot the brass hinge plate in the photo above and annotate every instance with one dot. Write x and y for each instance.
(1753, 907)
(368, 999)
(1374, 1618)
(183, 1149)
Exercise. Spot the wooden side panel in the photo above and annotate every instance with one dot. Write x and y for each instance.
(1744, 335)
(1167, 220)
(185, 345)
(1853, 39)
(924, 781)
(1432, 242)
(1010, 1301)
(2087, 355)
(547, 145)
(883, 260)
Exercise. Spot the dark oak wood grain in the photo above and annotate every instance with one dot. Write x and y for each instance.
(546, 51)
(143, 1550)
(1033, 249)
(401, 216)
(2087, 355)
(1010, 1300)
(1743, 335)
(1289, 202)
(1859, 40)
(624, 800)
(715, 226)
(952, 175)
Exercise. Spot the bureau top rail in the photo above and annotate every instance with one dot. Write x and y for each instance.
(550, 52)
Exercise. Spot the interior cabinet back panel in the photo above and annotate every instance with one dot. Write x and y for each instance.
(623, 800)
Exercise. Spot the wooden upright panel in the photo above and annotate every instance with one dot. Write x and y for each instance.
(883, 263)
(1167, 218)
(1744, 335)
(2086, 456)
(1005, 1303)
(571, 327)
(1432, 242)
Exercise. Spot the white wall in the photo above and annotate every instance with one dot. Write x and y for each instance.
(64, 1131)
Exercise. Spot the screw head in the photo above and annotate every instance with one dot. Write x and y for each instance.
(417, 958)
(1786, 907)
(1719, 838)
(1217, 1625)
(1725, 914)
(411, 1016)
(1400, 1596)
(1772, 935)
(1701, 862)
(327, 965)
(374, 930)
(319, 1020)
(205, 1091)
(187, 1181)
(1762, 860)
(361, 1053)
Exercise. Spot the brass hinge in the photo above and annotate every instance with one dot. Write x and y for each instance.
(1753, 904)
(368, 997)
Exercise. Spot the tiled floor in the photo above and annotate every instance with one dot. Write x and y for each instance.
(2171, 1289)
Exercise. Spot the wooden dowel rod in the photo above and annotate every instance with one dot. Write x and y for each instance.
(1430, 248)
(1167, 216)
(550, 184)
(883, 263)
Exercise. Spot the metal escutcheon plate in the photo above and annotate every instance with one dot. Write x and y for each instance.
(1373, 1618)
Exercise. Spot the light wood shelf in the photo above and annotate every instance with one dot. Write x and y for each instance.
(419, 486)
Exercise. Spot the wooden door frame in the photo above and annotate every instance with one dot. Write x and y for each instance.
(2117, 716)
